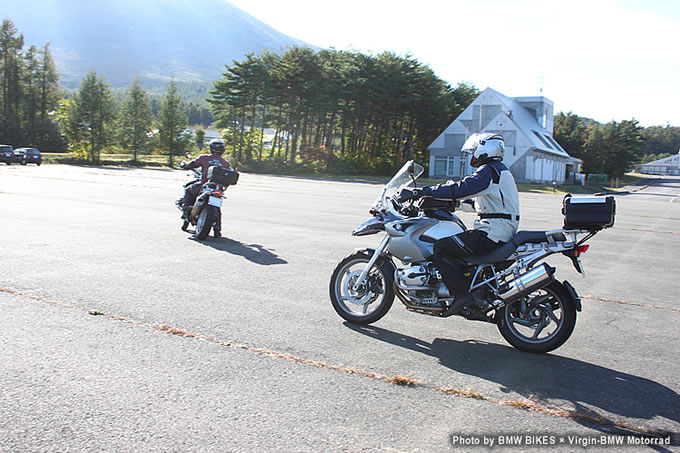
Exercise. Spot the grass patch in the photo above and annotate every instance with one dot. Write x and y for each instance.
(156, 160)
(114, 160)
(407, 381)
(467, 393)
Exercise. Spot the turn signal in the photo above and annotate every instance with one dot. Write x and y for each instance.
(580, 250)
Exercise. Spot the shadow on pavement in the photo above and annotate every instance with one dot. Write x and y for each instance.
(545, 376)
(252, 252)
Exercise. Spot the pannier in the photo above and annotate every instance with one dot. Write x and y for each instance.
(222, 176)
(588, 213)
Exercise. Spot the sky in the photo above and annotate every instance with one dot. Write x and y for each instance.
(601, 59)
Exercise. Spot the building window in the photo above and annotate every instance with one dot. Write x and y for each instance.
(449, 166)
(540, 137)
(552, 140)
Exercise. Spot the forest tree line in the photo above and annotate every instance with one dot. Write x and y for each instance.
(334, 110)
(328, 110)
(37, 112)
(613, 148)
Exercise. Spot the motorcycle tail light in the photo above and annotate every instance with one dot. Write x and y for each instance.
(581, 249)
(216, 193)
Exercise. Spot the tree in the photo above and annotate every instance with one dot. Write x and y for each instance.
(461, 97)
(570, 132)
(173, 124)
(31, 98)
(660, 140)
(135, 120)
(613, 147)
(199, 139)
(92, 117)
(47, 134)
(11, 67)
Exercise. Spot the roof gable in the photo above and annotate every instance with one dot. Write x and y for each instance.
(670, 160)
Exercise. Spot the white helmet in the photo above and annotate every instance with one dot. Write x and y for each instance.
(484, 148)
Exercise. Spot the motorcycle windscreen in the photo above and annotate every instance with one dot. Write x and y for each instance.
(402, 179)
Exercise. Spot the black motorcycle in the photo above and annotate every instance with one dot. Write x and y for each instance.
(206, 212)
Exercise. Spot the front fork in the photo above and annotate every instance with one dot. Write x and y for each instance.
(378, 252)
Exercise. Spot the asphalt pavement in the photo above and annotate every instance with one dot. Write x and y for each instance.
(120, 333)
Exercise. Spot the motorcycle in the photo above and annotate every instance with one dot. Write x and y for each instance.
(206, 212)
(532, 309)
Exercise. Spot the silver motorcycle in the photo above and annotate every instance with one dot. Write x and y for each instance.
(533, 311)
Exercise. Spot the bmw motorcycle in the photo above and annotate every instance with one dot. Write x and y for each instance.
(532, 309)
(206, 212)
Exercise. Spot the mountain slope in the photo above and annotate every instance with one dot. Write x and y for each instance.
(150, 39)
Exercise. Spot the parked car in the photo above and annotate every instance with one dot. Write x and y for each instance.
(6, 154)
(27, 156)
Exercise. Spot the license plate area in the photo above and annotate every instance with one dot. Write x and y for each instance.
(215, 201)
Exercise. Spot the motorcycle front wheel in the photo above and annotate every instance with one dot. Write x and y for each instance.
(372, 299)
(206, 220)
(539, 322)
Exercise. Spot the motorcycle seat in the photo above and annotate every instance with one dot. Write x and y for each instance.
(504, 251)
(500, 254)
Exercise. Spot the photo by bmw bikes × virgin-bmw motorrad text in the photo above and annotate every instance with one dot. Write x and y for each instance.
(533, 311)
(207, 210)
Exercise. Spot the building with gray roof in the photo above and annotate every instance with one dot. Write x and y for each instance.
(666, 166)
(526, 123)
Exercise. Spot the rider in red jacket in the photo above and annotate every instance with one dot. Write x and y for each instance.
(204, 161)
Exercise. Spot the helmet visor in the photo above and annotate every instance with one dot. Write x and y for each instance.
(472, 143)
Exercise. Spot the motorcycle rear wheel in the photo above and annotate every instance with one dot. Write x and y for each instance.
(541, 321)
(372, 300)
(206, 220)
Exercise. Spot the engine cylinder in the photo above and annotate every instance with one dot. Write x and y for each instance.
(530, 281)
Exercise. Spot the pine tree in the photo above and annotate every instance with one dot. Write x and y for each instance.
(11, 68)
(92, 116)
(173, 124)
(135, 120)
(47, 133)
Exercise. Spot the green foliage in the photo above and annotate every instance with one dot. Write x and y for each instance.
(199, 139)
(29, 91)
(79, 150)
(609, 149)
(173, 124)
(646, 158)
(136, 119)
(90, 117)
(333, 109)
(657, 140)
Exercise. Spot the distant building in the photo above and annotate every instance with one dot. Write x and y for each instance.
(211, 135)
(526, 123)
(666, 166)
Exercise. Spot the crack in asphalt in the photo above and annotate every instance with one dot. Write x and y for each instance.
(634, 304)
(527, 404)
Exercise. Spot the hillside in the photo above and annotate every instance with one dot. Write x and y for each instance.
(150, 39)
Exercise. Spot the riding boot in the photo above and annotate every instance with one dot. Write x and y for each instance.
(461, 301)
(217, 227)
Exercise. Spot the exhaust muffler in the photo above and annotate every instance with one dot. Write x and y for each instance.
(536, 278)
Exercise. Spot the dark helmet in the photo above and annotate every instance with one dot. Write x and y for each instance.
(217, 146)
(484, 148)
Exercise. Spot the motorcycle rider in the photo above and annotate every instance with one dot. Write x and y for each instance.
(204, 161)
(496, 201)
